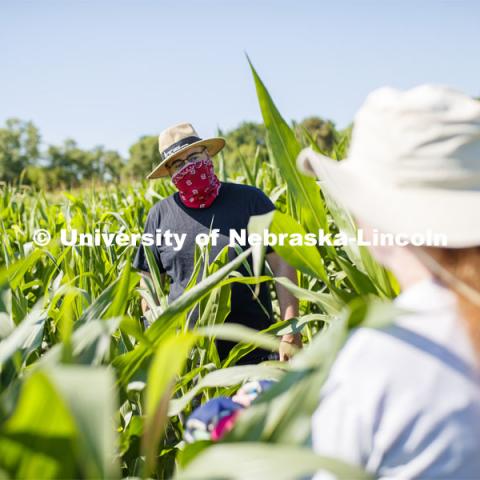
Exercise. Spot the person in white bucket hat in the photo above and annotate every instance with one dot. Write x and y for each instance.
(404, 401)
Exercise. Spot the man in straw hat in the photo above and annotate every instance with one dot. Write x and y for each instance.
(203, 203)
(404, 401)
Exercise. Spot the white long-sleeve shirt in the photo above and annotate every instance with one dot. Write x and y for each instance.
(404, 402)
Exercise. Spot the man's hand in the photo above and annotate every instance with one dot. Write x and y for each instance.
(285, 350)
(143, 284)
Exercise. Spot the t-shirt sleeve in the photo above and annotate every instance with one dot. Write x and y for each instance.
(263, 205)
(140, 260)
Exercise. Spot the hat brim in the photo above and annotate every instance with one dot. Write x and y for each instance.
(409, 212)
(214, 145)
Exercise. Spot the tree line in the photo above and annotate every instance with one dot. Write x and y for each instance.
(24, 159)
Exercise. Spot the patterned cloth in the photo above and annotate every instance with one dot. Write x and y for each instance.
(250, 391)
(216, 417)
(197, 183)
(204, 419)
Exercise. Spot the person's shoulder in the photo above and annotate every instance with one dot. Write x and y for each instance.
(385, 350)
(242, 189)
(161, 205)
(248, 193)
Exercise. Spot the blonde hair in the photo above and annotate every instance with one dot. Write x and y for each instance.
(459, 270)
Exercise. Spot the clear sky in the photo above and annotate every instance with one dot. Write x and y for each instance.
(106, 72)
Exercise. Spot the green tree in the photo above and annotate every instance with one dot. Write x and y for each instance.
(19, 148)
(70, 166)
(322, 131)
(243, 141)
(112, 166)
(144, 156)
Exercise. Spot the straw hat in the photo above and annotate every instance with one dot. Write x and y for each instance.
(413, 164)
(173, 142)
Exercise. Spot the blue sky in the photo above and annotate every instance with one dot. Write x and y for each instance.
(106, 72)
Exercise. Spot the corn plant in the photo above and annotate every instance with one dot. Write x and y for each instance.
(88, 392)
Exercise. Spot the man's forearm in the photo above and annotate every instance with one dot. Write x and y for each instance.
(288, 303)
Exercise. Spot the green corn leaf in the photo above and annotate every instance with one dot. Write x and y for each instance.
(168, 362)
(285, 148)
(26, 337)
(305, 258)
(258, 461)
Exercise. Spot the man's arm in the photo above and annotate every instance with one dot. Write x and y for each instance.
(287, 302)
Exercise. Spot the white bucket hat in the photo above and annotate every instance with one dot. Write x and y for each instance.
(413, 165)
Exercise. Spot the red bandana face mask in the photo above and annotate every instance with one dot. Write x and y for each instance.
(197, 183)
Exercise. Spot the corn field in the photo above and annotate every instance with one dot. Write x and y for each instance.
(88, 392)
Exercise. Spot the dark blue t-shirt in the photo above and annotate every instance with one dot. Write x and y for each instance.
(232, 209)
